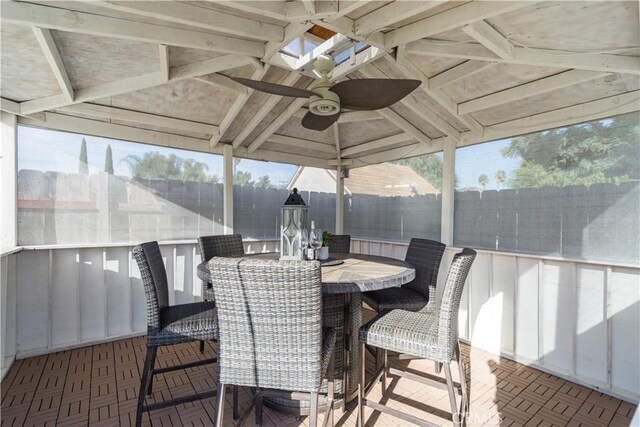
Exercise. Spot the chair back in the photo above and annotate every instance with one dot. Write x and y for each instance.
(225, 245)
(270, 323)
(450, 303)
(425, 256)
(340, 243)
(154, 279)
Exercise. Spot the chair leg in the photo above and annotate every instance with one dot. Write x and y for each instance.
(201, 346)
(438, 367)
(313, 412)
(452, 395)
(384, 371)
(154, 352)
(144, 383)
(328, 418)
(234, 403)
(361, 389)
(464, 405)
(258, 408)
(220, 404)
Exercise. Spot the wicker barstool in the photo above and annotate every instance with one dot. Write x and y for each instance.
(424, 334)
(339, 244)
(169, 325)
(271, 334)
(425, 256)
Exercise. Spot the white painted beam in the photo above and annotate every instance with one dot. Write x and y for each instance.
(409, 70)
(8, 189)
(221, 80)
(13, 107)
(407, 151)
(448, 192)
(51, 53)
(266, 108)
(530, 56)
(376, 144)
(363, 58)
(269, 9)
(79, 22)
(227, 182)
(144, 81)
(163, 52)
(336, 138)
(390, 14)
(346, 7)
(538, 87)
(112, 113)
(201, 17)
(276, 124)
(339, 199)
(358, 116)
(301, 143)
(291, 32)
(449, 20)
(459, 72)
(490, 38)
(345, 26)
(333, 44)
(235, 108)
(404, 125)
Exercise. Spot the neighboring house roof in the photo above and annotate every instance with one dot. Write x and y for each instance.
(385, 179)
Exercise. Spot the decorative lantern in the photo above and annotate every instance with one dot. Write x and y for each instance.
(294, 219)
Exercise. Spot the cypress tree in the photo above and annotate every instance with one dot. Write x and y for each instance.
(83, 166)
(108, 162)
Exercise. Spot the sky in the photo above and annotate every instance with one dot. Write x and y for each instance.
(47, 150)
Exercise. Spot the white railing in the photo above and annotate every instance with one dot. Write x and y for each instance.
(576, 319)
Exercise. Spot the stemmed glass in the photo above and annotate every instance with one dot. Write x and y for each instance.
(302, 238)
(315, 240)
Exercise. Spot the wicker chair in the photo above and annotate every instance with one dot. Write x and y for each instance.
(425, 334)
(218, 245)
(271, 334)
(169, 325)
(425, 256)
(339, 244)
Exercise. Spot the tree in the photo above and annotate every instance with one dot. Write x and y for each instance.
(264, 182)
(108, 161)
(603, 151)
(242, 178)
(429, 167)
(483, 180)
(154, 164)
(83, 162)
(501, 178)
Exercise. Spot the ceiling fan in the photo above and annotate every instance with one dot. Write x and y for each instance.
(327, 100)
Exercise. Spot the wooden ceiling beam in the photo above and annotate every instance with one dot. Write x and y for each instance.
(459, 72)
(220, 80)
(163, 53)
(376, 144)
(276, 124)
(390, 14)
(529, 56)
(13, 107)
(51, 53)
(201, 17)
(269, 9)
(80, 22)
(404, 125)
(449, 20)
(490, 38)
(144, 81)
(236, 107)
(301, 143)
(538, 87)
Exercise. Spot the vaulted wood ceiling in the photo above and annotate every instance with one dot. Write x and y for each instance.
(154, 72)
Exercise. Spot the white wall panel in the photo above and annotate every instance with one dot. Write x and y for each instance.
(591, 325)
(65, 307)
(503, 294)
(93, 295)
(138, 308)
(183, 274)
(625, 326)
(118, 290)
(33, 300)
(8, 311)
(526, 309)
(486, 323)
(558, 315)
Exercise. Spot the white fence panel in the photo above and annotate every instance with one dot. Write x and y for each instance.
(526, 308)
(557, 310)
(118, 288)
(8, 311)
(33, 300)
(65, 294)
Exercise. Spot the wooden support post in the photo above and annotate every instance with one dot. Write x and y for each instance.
(339, 200)
(8, 174)
(227, 151)
(448, 189)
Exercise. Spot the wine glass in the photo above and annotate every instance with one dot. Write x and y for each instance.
(302, 238)
(315, 240)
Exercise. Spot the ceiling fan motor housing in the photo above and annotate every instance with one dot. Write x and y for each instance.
(327, 105)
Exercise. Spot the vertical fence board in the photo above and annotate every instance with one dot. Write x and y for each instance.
(503, 295)
(118, 290)
(92, 294)
(526, 309)
(557, 310)
(33, 294)
(65, 284)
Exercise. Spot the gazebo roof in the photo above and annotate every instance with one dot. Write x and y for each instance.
(155, 73)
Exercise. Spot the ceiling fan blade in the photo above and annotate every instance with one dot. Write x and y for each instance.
(373, 94)
(315, 122)
(273, 88)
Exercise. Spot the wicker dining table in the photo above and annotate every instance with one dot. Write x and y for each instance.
(342, 286)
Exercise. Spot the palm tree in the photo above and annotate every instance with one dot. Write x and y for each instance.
(501, 178)
(483, 180)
